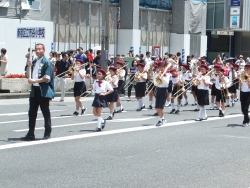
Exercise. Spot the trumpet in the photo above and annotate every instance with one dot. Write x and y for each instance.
(158, 79)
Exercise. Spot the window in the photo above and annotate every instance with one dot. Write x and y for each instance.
(215, 14)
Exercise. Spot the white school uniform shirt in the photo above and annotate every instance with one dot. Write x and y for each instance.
(245, 87)
(105, 86)
(35, 71)
(144, 75)
(165, 80)
(219, 84)
(78, 77)
(187, 76)
(176, 79)
(148, 62)
(122, 73)
(114, 79)
(202, 85)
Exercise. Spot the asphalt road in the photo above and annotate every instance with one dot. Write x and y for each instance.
(129, 152)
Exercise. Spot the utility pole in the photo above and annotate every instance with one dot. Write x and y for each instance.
(105, 34)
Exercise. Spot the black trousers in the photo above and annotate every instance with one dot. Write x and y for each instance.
(130, 88)
(35, 102)
(245, 101)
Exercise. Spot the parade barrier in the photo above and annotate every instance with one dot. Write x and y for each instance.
(21, 85)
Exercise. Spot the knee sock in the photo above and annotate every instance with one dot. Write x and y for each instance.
(227, 101)
(179, 107)
(204, 113)
(172, 104)
(99, 122)
(200, 112)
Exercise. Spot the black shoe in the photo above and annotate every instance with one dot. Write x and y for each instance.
(159, 124)
(103, 124)
(83, 111)
(143, 107)
(172, 111)
(196, 110)
(109, 118)
(28, 138)
(138, 109)
(113, 113)
(204, 118)
(198, 119)
(228, 105)
(75, 113)
(98, 129)
(221, 113)
(186, 104)
(121, 109)
(150, 107)
(177, 112)
(155, 114)
(116, 111)
(46, 137)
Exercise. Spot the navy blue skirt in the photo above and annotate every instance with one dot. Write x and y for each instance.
(121, 84)
(213, 90)
(100, 101)
(202, 97)
(140, 89)
(79, 88)
(112, 97)
(161, 96)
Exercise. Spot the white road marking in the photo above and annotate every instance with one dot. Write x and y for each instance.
(129, 157)
(232, 136)
(26, 113)
(90, 122)
(103, 133)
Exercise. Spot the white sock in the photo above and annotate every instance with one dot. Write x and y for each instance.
(198, 106)
(111, 115)
(139, 103)
(172, 104)
(212, 104)
(179, 107)
(142, 102)
(150, 103)
(186, 100)
(160, 119)
(227, 101)
(220, 108)
(204, 113)
(200, 113)
(223, 111)
(99, 122)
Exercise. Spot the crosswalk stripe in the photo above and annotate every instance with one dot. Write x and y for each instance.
(90, 122)
(111, 132)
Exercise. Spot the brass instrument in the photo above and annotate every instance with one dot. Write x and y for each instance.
(72, 69)
(150, 71)
(138, 76)
(244, 76)
(222, 78)
(158, 79)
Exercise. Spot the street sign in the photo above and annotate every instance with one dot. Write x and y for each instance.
(30, 2)
(235, 22)
(222, 33)
(235, 3)
(235, 11)
(31, 32)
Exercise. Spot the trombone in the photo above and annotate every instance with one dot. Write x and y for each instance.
(196, 81)
(71, 69)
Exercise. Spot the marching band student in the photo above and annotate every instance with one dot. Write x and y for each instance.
(194, 67)
(238, 73)
(132, 71)
(101, 88)
(177, 83)
(221, 83)
(187, 77)
(213, 76)
(121, 76)
(202, 83)
(232, 89)
(79, 86)
(112, 97)
(245, 94)
(161, 92)
(140, 86)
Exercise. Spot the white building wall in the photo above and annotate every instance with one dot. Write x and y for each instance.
(17, 48)
(203, 46)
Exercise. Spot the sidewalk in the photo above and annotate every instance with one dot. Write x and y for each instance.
(26, 95)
